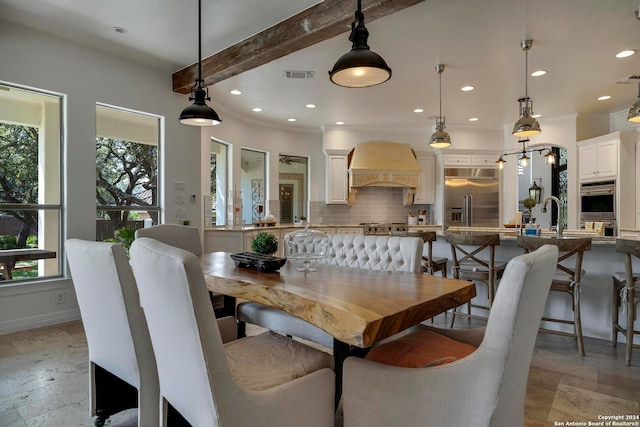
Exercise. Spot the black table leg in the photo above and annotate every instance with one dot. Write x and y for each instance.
(229, 306)
(340, 353)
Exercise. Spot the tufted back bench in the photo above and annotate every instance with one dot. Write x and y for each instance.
(387, 253)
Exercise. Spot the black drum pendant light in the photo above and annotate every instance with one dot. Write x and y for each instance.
(360, 67)
(199, 113)
(526, 125)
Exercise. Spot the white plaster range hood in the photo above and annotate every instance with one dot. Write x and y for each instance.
(383, 164)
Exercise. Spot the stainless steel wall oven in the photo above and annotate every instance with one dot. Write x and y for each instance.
(598, 203)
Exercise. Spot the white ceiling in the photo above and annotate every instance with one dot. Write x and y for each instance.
(575, 41)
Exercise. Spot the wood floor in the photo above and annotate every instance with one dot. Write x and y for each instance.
(44, 382)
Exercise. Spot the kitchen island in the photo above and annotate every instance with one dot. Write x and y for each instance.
(598, 265)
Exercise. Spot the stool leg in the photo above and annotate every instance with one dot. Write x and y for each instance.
(631, 307)
(577, 320)
(615, 315)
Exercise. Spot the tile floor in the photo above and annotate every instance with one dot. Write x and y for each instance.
(44, 382)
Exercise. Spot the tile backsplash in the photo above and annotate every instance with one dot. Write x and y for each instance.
(373, 204)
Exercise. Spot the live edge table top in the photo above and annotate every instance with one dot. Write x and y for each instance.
(355, 306)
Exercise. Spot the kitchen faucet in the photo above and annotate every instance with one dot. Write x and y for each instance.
(558, 220)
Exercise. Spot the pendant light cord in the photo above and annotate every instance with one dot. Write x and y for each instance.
(200, 82)
(440, 75)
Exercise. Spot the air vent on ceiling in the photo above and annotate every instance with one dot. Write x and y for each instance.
(634, 78)
(292, 74)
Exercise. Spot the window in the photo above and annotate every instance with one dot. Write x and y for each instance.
(252, 185)
(219, 171)
(31, 138)
(127, 192)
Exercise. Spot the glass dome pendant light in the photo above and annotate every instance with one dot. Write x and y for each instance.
(526, 125)
(634, 111)
(360, 67)
(440, 138)
(199, 113)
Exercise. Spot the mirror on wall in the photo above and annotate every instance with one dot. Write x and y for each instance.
(253, 178)
(552, 180)
(292, 187)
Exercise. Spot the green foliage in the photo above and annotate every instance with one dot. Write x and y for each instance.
(32, 241)
(264, 243)
(529, 203)
(124, 236)
(8, 242)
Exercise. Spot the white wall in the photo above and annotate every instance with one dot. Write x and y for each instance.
(87, 76)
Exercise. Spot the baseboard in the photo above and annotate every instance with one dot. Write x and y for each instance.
(25, 323)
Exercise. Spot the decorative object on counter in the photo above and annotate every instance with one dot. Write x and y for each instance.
(199, 113)
(440, 138)
(269, 221)
(634, 111)
(411, 219)
(261, 262)
(422, 217)
(526, 125)
(529, 203)
(360, 67)
(264, 243)
(535, 191)
(306, 245)
(303, 219)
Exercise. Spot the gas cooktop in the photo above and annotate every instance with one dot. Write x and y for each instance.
(382, 228)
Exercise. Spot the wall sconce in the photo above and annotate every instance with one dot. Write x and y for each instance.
(535, 191)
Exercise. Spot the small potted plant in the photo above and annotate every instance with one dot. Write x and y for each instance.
(264, 243)
(303, 219)
(530, 203)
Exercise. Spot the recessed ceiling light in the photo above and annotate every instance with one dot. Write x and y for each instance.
(291, 119)
(538, 73)
(120, 30)
(339, 123)
(473, 119)
(625, 53)
(256, 109)
(418, 110)
(311, 105)
(535, 116)
(604, 97)
(235, 92)
(467, 88)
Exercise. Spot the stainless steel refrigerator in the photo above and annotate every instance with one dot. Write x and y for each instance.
(472, 197)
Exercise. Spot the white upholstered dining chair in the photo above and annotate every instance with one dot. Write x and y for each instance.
(484, 388)
(121, 362)
(265, 380)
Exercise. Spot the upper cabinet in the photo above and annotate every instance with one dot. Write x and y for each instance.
(336, 185)
(426, 191)
(598, 159)
(470, 160)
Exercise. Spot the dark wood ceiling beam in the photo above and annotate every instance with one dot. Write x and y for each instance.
(313, 25)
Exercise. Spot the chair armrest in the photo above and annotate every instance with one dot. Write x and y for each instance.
(228, 328)
(468, 336)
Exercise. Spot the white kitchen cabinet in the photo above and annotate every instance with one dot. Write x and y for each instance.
(598, 159)
(470, 160)
(612, 157)
(457, 159)
(336, 186)
(426, 191)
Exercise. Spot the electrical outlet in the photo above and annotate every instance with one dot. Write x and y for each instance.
(60, 297)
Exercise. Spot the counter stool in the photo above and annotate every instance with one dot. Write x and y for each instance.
(431, 265)
(465, 251)
(567, 279)
(624, 293)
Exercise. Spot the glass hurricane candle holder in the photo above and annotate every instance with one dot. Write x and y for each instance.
(306, 245)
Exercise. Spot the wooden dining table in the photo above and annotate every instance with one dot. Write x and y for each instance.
(357, 307)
